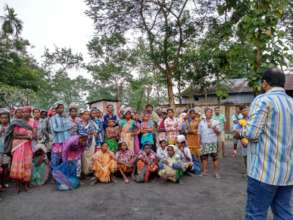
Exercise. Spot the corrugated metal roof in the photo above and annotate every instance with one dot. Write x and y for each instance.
(233, 86)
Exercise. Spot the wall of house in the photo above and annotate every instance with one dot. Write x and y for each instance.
(212, 99)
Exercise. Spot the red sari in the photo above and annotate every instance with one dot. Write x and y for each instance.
(21, 166)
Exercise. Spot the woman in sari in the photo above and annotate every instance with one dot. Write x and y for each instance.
(146, 164)
(21, 166)
(137, 143)
(192, 133)
(41, 168)
(147, 129)
(172, 126)
(125, 159)
(104, 164)
(87, 126)
(172, 167)
(127, 129)
(66, 174)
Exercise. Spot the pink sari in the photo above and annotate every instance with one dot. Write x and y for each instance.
(22, 155)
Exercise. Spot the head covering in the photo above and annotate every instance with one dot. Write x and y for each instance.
(56, 104)
(40, 147)
(173, 146)
(95, 109)
(26, 109)
(83, 110)
(128, 109)
(82, 133)
(73, 106)
(181, 138)
(197, 110)
(4, 111)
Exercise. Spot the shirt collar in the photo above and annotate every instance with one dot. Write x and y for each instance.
(276, 89)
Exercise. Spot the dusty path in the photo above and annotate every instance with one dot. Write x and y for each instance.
(202, 198)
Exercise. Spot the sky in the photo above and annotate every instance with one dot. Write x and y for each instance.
(50, 23)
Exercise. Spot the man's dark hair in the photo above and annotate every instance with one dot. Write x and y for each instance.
(274, 77)
(149, 105)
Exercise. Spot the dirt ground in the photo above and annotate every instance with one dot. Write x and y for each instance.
(201, 198)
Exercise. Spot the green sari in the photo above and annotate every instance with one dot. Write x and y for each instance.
(40, 172)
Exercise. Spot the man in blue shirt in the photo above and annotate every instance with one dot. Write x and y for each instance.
(60, 126)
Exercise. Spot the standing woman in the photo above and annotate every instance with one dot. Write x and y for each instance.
(161, 127)
(23, 131)
(192, 132)
(87, 126)
(147, 129)
(209, 130)
(127, 129)
(4, 158)
(137, 137)
(172, 126)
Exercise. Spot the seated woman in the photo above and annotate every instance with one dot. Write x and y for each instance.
(125, 159)
(162, 150)
(172, 167)
(146, 164)
(65, 174)
(184, 152)
(41, 167)
(104, 164)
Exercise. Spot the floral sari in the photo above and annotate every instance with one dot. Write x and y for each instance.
(126, 135)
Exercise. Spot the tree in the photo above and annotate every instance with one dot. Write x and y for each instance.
(11, 25)
(20, 74)
(167, 26)
(60, 86)
(258, 33)
(110, 66)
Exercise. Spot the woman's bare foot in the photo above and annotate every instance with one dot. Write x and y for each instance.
(126, 180)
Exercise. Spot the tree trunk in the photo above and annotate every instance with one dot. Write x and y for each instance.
(170, 90)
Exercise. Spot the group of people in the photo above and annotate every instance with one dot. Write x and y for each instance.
(36, 144)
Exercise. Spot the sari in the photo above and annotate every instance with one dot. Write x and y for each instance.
(193, 137)
(145, 166)
(172, 170)
(172, 129)
(22, 154)
(149, 136)
(137, 144)
(126, 157)
(126, 135)
(112, 134)
(66, 173)
(104, 165)
(41, 168)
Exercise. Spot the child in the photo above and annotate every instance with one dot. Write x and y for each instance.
(4, 159)
(112, 135)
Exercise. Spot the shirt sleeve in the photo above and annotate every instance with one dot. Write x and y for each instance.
(257, 118)
(55, 126)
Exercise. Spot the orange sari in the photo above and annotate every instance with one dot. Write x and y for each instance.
(193, 137)
(104, 165)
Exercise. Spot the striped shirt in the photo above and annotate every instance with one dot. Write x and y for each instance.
(270, 131)
(60, 126)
